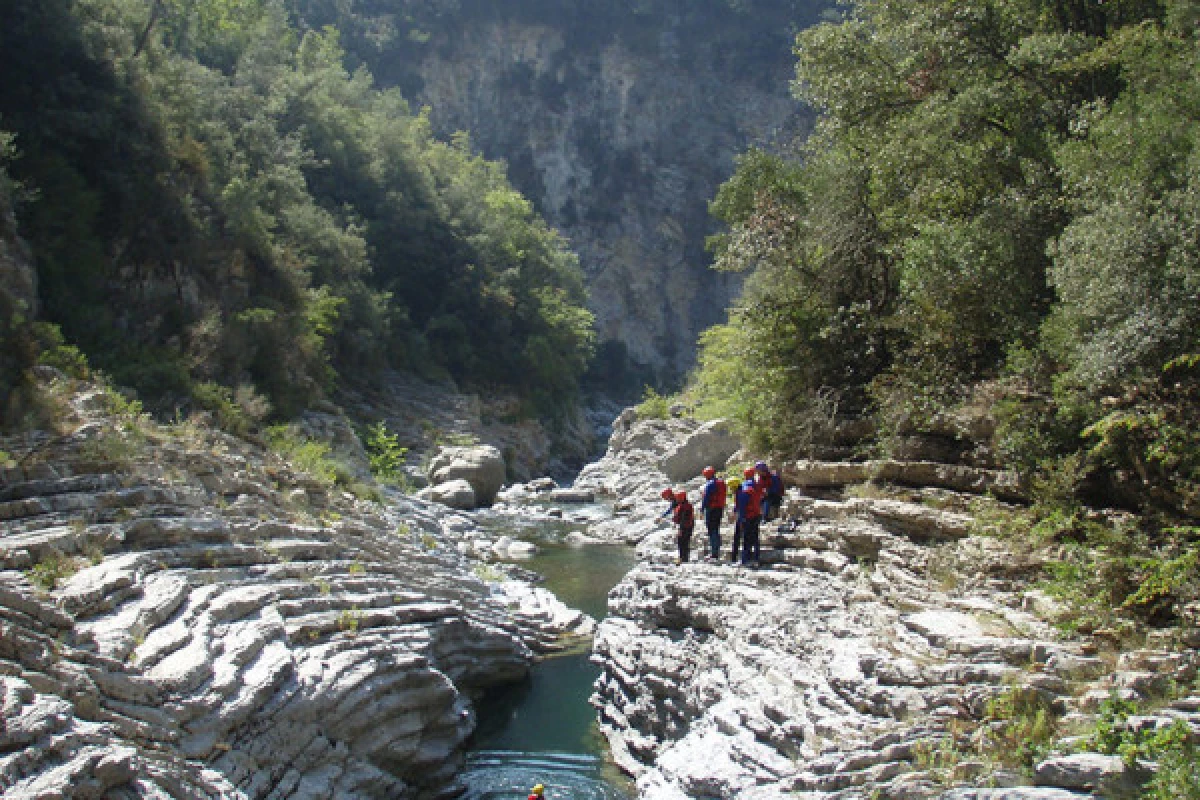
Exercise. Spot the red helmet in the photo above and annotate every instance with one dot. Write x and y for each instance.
(708, 472)
(748, 472)
(667, 494)
(681, 497)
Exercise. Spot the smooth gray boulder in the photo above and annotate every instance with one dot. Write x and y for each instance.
(481, 466)
(711, 444)
(1110, 776)
(455, 494)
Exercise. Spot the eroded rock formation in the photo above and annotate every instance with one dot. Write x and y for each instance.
(182, 615)
(880, 633)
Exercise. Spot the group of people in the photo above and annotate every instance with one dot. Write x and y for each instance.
(756, 497)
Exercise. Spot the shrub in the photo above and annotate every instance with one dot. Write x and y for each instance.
(305, 454)
(236, 412)
(1178, 774)
(386, 454)
(653, 405)
(51, 570)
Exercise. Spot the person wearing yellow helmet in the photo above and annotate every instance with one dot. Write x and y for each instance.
(735, 485)
(537, 793)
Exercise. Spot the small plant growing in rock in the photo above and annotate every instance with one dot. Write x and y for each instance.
(94, 554)
(429, 541)
(356, 568)
(349, 620)
(403, 529)
(1020, 726)
(386, 455)
(50, 571)
(486, 572)
(306, 455)
(1173, 748)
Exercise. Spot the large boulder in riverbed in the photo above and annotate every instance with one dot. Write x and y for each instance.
(455, 494)
(481, 466)
(709, 445)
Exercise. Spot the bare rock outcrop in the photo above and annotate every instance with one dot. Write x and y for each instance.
(879, 632)
(182, 615)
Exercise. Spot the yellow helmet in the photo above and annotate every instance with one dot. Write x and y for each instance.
(539, 790)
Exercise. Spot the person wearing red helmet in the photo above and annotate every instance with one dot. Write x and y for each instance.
(772, 490)
(668, 494)
(748, 507)
(685, 518)
(712, 503)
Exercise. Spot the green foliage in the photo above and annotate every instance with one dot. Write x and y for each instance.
(1020, 726)
(385, 454)
(1172, 747)
(349, 621)
(236, 412)
(55, 352)
(48, 573)
(213, 198)
(998, 193)
(653, 405)
(305, 454)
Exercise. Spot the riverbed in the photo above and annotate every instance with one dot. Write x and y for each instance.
(543, 730)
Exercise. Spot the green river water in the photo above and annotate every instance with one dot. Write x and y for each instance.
(543, 730)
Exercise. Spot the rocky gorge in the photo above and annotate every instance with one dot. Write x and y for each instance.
(182, 614)
(888, 647)
(618, 120)
(185, 614)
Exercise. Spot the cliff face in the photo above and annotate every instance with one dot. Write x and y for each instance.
(620, 122)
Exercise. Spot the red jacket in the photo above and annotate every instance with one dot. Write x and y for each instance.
(685, 516)
(748, 502)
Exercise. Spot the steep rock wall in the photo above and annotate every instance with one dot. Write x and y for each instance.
(620, 121)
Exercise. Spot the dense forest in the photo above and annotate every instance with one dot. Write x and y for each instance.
(220, 212)
(1000, 213)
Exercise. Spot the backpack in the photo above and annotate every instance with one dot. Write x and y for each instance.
(685, 516)
(719, 494)
(776, 490)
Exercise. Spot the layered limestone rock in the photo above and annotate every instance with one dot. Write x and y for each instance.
(182, 615)
(877, 634)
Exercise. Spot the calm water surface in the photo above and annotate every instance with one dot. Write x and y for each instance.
(543, 730)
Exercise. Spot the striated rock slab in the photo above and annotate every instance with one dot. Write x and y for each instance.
(216, 632)
(974, 480)
(873, 632)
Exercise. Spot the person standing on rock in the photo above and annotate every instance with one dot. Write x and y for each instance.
(668, 494)
(735, 485)
(537, 792)
(712, 502)
(772, 490)
(685, 518)
(748, 507)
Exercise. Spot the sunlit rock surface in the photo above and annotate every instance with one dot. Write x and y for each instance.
(877, 627)
(183, 616)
